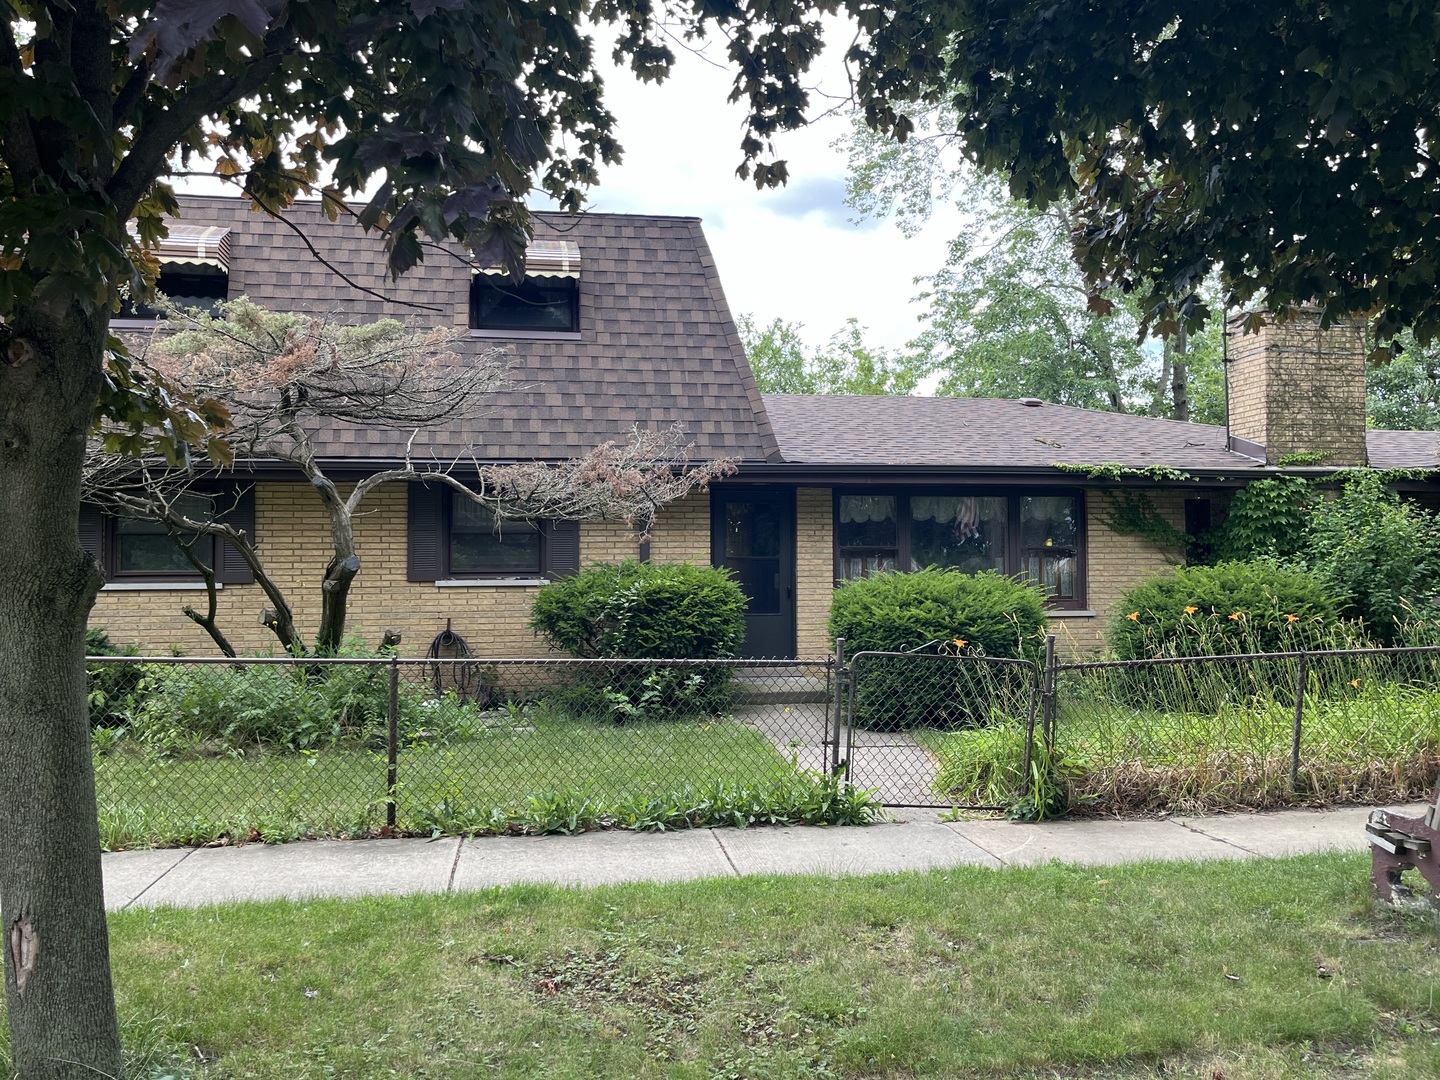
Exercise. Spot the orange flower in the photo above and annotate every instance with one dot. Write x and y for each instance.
(1191, 609)
(1292, 618)
(960, 643)
(1134, 616)
(1355, 682)
(1236, 615)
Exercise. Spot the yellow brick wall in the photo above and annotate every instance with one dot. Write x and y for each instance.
(1115, 562)
(292, 534)
(814, 570)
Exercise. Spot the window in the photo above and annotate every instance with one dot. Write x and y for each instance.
(480, 543)
(1037, 536)
(143, 546)
(139, 551)
(194, 270)
(451, 538)
(536, 304)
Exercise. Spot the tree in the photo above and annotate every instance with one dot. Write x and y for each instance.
(1290, 147)
(287, 379)
(456, 108)
(846, 365)
(1008, 314)
(1403, 390)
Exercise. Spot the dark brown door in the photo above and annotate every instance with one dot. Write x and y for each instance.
(753, 536)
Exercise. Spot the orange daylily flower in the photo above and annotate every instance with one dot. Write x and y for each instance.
(1191, 609)
(1236, 615)
(1134, 616)
(1292, 618)
(960, 643)
(1355, 682)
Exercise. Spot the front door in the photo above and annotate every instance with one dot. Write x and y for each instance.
(753, 536)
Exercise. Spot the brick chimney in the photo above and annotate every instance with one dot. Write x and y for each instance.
(1294, 388)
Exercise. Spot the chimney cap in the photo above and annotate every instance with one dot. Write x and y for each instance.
(1030, 402)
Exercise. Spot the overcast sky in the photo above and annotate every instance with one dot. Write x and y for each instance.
(794, 253)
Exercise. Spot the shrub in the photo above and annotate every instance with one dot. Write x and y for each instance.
(956, 618)
(635, 610)
(652, 611)
(1234, 607)
(222, 708)
(1378, 555)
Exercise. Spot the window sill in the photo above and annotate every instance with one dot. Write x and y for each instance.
(1068, 613)
(481, 583)
(526, 335)
(157, 586)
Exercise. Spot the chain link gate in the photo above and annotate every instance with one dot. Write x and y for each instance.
(900, 718)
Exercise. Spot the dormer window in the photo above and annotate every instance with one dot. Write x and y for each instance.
(194, 271)
(546, 301)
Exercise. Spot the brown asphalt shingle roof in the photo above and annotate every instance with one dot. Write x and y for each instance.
(925, 431)
(657, 342)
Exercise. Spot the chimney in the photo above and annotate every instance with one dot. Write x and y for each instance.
(1294, 388)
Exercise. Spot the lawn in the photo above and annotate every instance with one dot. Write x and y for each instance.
(146, 799)
(1262, 969)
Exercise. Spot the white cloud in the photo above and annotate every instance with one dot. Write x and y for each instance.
(793, 253)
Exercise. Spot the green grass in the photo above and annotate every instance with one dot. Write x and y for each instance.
(1116, 972)
(146, 799)
(1369, 742)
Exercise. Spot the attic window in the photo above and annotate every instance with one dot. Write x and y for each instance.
(194, 270)
(546, 300)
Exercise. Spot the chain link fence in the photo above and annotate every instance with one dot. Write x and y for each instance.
(192, 750)
(1253, 731)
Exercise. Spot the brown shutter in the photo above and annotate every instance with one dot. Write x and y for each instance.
(562, 548)
(238, 510)
(425, 531)
(92, 533)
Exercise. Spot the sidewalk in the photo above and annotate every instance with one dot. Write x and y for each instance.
(188, 877)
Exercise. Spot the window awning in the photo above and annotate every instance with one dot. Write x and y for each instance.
(196, 246)
(550, 258)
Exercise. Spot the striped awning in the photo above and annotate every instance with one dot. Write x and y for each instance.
(552, 258)
(196, 245)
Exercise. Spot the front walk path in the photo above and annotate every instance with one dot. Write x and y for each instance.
(188, 877)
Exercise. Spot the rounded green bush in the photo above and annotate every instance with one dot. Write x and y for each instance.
(1232, 607)
(658, 611)
(951, 616)
(645, 611)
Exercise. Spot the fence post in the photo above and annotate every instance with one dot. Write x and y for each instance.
(392, 740)
(1048, 693)
(839, 706)
(1301, 682)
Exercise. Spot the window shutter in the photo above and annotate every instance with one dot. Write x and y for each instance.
(562, 548)
(238, 509)
(425, 533)
(92, 533)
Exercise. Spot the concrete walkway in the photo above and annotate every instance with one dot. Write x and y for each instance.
(189, 877)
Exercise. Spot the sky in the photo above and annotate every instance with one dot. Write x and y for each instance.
(795, 253)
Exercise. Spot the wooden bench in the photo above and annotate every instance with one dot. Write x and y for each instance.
(1399, 843)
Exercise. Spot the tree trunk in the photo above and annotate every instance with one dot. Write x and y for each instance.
(57, 961)
(344, 565)
(1180, 380)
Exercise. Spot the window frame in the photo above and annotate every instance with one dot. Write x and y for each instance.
(571, 284)
(447, 532)
(233, 504)
(1013, 549)
(139, 313)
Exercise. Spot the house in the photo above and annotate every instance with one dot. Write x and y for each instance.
(621, 320)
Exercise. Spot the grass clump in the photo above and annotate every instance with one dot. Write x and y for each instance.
(1117, 972)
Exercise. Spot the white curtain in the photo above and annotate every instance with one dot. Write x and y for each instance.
(861, 508)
